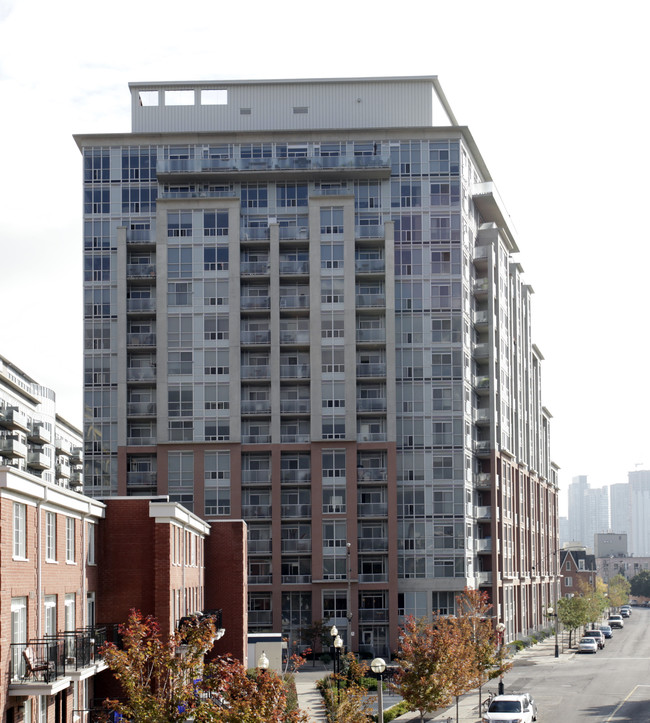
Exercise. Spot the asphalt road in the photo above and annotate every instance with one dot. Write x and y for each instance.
(612, 686)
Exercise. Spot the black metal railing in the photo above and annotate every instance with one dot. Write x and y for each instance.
(38, 661)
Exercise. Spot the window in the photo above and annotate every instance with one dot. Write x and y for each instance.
(50, 536)
(179, 293)
(254, 196)
(69, 539)
(20, 530)
(179, 263)
(291, 194)
(179, 223)
(90, 528)
(215, 259)
(215, 223)
(49, 603)
(568, 581)
(331, 221)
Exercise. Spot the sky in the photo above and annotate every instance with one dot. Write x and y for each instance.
(554, 93)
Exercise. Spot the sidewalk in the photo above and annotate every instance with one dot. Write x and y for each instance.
(468, 712)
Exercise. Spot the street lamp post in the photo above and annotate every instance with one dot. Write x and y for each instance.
(338, 644)
(378, 666)
(553, 613)
(501, 630)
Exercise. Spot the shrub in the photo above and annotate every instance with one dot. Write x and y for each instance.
(394, 712)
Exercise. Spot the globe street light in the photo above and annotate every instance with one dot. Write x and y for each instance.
(551, 612)
(338, 644)
(378, 665)
(263, 661)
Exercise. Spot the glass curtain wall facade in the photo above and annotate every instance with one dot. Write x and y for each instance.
(322, 332)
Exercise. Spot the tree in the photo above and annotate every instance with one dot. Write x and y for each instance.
(572, 612)
(473, 608)
(430, 656)
(314, 634)
(618, 591)
(640, 584)
(165, 680)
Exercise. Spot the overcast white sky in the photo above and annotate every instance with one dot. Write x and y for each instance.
(555, 94)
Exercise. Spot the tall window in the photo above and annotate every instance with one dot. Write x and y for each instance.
(50, 536)
(49, 603)
(69, 539)
(90, 528)
(20, 530)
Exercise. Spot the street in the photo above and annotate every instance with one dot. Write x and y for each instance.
(611, 686)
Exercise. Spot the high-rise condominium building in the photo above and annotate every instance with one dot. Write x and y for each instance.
(588, 511)
(639, 482)
(302, 308)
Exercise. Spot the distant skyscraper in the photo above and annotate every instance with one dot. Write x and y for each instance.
(640, 512)
(619, 505)
(588, 511)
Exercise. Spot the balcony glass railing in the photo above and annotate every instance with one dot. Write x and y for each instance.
(295, 511)
(256, 371)
(294, 337)
(140, 340)
(291, 233)
(256, 406)
(140, 271)
(295, 475)
(141, 408)
(294, 267)
(371, 474)
(255, 302)
(254, 268)
(373, 543)
(134, 305)
(255, 337)
(371, 370)
(141, 479)
(258, 546)
(256, 510)
(373, 615)
(296, 545)
(371, 335)
(292, 438)
(368, 301)
(255, 234)
(256, 475)
(294, 371)
(296, 579)
(376, 404)
(300, 301)
(256, 438)
(140, 374)
(361, 232)
(370, 266)
(372, 509)
(294, 406)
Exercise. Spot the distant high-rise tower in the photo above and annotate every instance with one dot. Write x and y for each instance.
(619, 506)
(588, 511)
(302, 307)
(639, 481)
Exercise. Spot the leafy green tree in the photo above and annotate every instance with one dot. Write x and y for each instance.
(573, 612)
(618, 591)
(165, 679)
(640, 584)
(316, 634)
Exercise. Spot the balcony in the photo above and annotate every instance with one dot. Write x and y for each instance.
(294, 301)
(255, 371)
(296, 545)
(252, 303)
(371, 437)
(139, 236)
(371, 336)
(482, 352)
(39, 434)
(256, 475)
(481, 287)
(482, 447)
(370, 266)
(256, 406)
(13, 448)
(295, 475)
(484, 545)
(371, 474)
(141, 306)
(63, 471)
(483, 480)
(254, 268)
(255, 337)
(372, 509)
(482, 416)
(36, 667)
(300, 336)
(373, 577)
(256, 511)
(63, 446)
(296, 579)
(373, 544)
(295, 406)
(141, 374)
(147, 478)
(482, 385)
(294, 371)
(140, 271)
(374, 232)
(77, 456)
(377, 404)
(293, 233)
(256, 439)
(481, 256)
(365, 371)
(141, 440)
(301, 167)
(12, 418)
(140, 341)
(481, 318)
(373, 615)
(260, 579)
(484, 577)
(255, 233)
(141, 409)
(260, 618)
(76, 479)
(38, 460)
(295, 511)
(294, 268)
(295, 438)
(371, 301)
(483, 512)
(260, 546)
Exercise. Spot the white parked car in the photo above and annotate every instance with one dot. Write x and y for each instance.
(588, 645)
(515, 708)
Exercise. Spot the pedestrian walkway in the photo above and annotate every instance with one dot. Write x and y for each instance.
(543, 653)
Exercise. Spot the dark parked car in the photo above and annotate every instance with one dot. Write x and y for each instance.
(607, 631)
